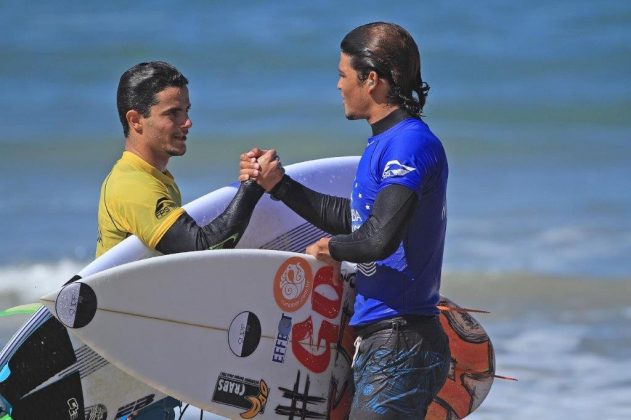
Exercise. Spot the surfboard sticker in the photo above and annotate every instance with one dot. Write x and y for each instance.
(292, 284)
(244, 334)
(282, 339)
(76, 305)
(299, 403)
(237, 391)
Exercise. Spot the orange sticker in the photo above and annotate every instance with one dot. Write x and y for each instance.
(293, 284)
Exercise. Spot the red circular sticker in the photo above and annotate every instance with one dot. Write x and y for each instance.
(293, 284)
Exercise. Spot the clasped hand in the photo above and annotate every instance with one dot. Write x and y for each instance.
(263, 166)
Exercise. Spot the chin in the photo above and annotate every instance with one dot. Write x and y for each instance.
(352, 115)
(177, 152)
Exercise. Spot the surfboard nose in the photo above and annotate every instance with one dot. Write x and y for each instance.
(75, 305)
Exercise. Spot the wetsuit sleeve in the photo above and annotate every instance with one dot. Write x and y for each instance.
(222, 232)
(381, 234)
(329, 213)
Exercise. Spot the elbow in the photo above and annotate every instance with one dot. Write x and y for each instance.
(371, 248)
(383, 249)
(378, 249)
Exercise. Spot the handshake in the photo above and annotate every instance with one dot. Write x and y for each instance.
(262, 166)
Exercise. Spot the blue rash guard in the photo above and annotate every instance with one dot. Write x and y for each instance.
(408, 281)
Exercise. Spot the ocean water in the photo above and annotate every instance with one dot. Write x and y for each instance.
(530, 98)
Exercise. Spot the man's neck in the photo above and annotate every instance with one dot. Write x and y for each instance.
(380, 111)
(388, 121)
(147, 156)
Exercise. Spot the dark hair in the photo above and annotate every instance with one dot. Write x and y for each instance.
(390, 51)
(138, 87)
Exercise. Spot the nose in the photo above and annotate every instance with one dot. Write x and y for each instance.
(339, 83)
(188, 123)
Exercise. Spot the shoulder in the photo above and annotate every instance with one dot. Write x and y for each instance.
(126, 180)
(414, 138)
(418, 134)
(412, 151)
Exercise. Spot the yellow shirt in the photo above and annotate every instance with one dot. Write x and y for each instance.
(136, 199)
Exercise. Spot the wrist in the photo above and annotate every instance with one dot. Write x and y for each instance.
(251, 187)
(279, 191)
(332, 250)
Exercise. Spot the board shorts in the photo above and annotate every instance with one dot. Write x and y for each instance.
(400, 364)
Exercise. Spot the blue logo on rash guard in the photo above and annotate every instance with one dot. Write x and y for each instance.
(395, 168)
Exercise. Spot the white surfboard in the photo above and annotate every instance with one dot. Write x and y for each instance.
(240, 323)
(43, 365)
(240, 333)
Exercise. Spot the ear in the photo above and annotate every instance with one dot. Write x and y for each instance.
(372, 80)
(134, 119)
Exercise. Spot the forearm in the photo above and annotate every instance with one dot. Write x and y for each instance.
(329, 213)
(381, 234)
(224, 231)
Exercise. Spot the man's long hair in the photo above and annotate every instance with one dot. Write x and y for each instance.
(390, 51)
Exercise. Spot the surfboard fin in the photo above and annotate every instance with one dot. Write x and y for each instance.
(452, 309)
(508, 378)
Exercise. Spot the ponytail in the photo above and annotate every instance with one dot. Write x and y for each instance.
(389, 50)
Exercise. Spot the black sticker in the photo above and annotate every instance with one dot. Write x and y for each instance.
(241, 392)
(76, 305)
(244, 334)
(301, 403)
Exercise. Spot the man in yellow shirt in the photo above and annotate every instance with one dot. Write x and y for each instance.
(139, 196)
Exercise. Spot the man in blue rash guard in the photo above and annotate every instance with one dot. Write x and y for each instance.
(393, 225)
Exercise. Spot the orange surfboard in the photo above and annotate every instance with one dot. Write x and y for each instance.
(472, 365)
(470, 376)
